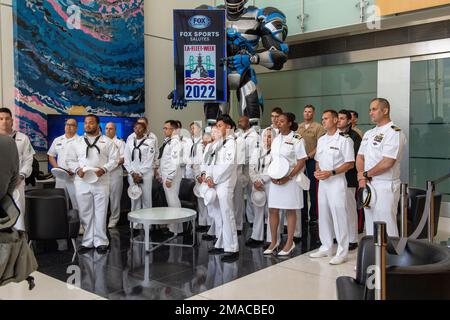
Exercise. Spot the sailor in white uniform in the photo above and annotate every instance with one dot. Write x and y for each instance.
(241, 182)
(334, 156)
(57, 159)
(26, 153)
(378, 161)
(139, 159)
(222, 177)
(260, 180)
(97, 151)
(251, 138)
(169, 169)
(285, 193)
(116, 177)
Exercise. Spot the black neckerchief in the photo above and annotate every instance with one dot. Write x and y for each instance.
(93, 145)
(194, 147)
(14, 136)
(138, 147)
(213, 155)
(161, 150)
(263, 162)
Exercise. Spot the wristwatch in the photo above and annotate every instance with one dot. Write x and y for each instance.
(333, 172)
(366, 175)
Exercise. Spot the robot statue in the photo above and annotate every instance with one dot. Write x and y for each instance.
(246, 26)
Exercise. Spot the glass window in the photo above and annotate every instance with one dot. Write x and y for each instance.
(430, 123)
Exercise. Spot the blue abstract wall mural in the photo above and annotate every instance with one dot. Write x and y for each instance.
(77, 57)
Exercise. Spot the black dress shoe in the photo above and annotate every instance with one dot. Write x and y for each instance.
(83, 249)
(230, 257)
(239, 232)
(254, 243)
(352, 246)
(215, 251)
(201, 228)
(101, 249)
(334, 241)
(208, 237)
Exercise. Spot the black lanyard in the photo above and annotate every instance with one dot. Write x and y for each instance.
(93, 145)
(263, 162)
(138, 147)
(161, 150)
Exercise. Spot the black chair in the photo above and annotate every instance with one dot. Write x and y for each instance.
(187, 196)
(421, 272)
(48, 216)
(416, 204)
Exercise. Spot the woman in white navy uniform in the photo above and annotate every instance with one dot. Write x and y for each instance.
(285, 193)
(140, 154)
(259, 162)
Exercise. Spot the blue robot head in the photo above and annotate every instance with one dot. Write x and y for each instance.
(235, 6)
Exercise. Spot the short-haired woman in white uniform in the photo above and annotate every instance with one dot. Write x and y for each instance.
(285, 193)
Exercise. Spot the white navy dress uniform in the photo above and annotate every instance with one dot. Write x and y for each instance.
(258, 171)
(92, 198)
(384, 141)
(241, 181)
(151, 136)
(223, 174)
(170, 170)
(332, 152)
(251, 139)
(194, 171)
(116, 184)
(140, 155)
(289, 195)
(186, 144)
(58, 150)
(212, 210)
(26, 153)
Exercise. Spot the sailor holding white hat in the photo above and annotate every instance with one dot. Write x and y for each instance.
(222, 176)
(116, 177)
(140, 154)
(378, 161)
(64, 178)
(96, 151)
(334, 156)
(260, 181)
(288, 159)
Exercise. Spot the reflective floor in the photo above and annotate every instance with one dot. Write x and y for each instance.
(169, 272)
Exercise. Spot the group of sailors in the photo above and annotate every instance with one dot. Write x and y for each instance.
(240, 174)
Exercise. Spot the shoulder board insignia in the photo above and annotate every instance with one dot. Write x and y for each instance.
(346, 135)
(396, 128)
(297, 136)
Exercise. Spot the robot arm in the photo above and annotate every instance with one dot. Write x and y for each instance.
(274, 32)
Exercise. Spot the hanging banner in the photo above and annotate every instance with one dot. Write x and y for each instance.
(200, 50)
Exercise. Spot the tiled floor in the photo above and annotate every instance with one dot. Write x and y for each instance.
(180, 273)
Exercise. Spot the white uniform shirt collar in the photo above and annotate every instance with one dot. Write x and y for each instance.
(384, 127)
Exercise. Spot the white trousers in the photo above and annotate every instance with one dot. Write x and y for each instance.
(93, 206)
(173, 200)
(203, 218)
(227, 239)
(352, 216)
(385, 209)
(259, 214)
(333, 214)
(115, 194)
(215, 217)
(20, 223)
(249, 210)
(145, 201)
(69, 188)
(239, 204)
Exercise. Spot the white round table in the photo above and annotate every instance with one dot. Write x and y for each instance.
(165, 215)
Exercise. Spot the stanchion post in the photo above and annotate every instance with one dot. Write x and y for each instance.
(404, 209)
(430, 186)
(380, 242)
